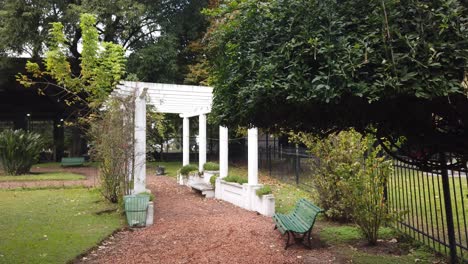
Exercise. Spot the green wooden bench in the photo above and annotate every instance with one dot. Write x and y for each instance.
(74, 161)
(299, 222)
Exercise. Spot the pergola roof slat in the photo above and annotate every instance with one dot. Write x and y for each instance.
(171, 98)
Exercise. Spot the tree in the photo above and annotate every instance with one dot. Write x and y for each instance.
(24, 25)
(156, 62)
(324, 66)
(102, 66)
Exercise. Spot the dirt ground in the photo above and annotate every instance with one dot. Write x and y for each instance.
(92, 179)
(191, 229)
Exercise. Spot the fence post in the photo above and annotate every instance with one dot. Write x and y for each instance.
(448, 209)
(297, 164)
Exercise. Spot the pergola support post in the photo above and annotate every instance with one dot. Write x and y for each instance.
(202, 142)
(139, 184)
(186, 141)
(223, 151)
(253, 156)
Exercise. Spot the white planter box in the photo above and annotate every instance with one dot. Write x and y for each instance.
(245, 196)
(208, 174)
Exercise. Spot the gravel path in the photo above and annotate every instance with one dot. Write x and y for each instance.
(191, 229)
(92, 179)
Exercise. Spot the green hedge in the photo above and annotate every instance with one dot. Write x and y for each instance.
(235, 178)
(185, 170)
(211, 166)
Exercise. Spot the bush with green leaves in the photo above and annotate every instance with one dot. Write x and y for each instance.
(112, 146)
(213, 180)
(266, 189)
(339, 158)
(365, 193)
(350, 174)
(19, 150)
(211, 166)
(236, 179)
(187, 169)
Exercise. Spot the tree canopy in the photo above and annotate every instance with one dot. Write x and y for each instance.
(324, 66)
(102, 65)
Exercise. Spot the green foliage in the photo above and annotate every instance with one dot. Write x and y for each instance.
(213, 180)
(25, 24)
(335, 61)
(338, 159)
(101, 68)
(236, 179)
(263, 191)
(211, 166)
(350, 176)
(111, 134)
(365, 193)
(156, 62)
(187, 169)
(151, 196)
(19, 150)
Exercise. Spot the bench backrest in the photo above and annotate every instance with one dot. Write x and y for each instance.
(306, 212)
(73, 160)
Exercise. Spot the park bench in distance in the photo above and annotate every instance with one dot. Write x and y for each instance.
(299, 222)
(72, 162)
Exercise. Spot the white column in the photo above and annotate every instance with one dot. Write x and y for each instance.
(223, 151)
(202, 141)
(186, 141)
(139, 182)
(253, 156)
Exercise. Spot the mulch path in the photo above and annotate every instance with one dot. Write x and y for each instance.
(92, 179)
(191, 229)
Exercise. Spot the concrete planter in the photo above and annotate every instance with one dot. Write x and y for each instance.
(208, 174)
(245, 196)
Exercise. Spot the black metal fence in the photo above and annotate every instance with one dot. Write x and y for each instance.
(435, 202)
(436, 205)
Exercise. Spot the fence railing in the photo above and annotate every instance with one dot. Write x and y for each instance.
(436, 204)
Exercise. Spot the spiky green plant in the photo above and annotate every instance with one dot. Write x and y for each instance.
(19, 150)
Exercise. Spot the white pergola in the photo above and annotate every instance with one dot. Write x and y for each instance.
(186, 101)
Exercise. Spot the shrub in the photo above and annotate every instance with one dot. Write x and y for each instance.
(211, 166)
(151, 196)
(112, 138)
(185, 170)
(338, 159)
(365, 193)
(235, 178)
(350, 176)
(19, 150)
(213, 180)
(263, 191)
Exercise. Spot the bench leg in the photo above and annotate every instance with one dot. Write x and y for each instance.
(276, 227)
(307, 236)
(287, 242)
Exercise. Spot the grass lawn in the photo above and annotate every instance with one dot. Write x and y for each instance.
(44, 176)
(421, 195)
(53, 226)
(347, 242)
(171, 167)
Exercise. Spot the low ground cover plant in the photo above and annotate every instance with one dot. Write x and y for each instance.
(266, 189)
(19, 150)
(187, 169)
(236, 179)
(211, 166)
(213, 180)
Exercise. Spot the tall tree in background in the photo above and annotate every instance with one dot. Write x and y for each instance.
(168, 59)
(24, 25)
